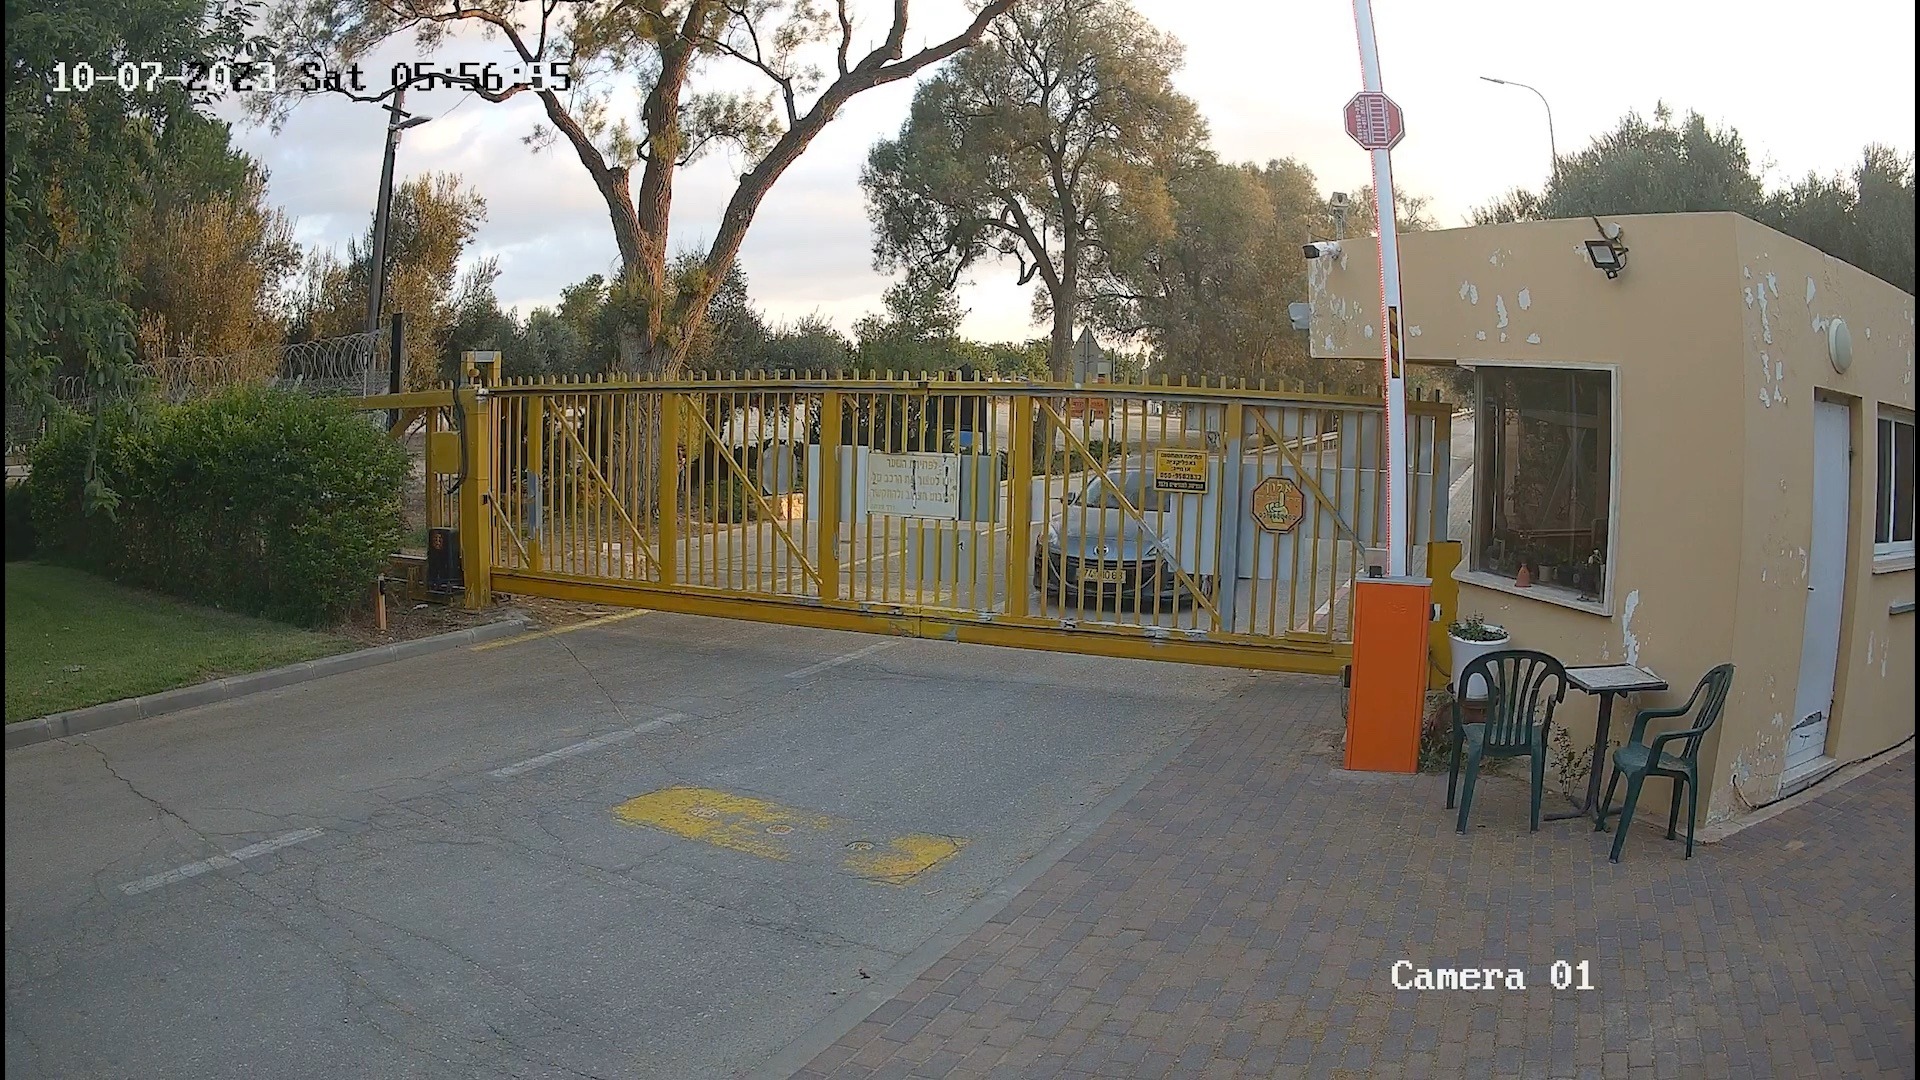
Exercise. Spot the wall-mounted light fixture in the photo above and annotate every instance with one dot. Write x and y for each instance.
(1607, 253)
(1839, 345)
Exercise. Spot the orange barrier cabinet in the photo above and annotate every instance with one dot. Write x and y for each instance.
(1389, 679)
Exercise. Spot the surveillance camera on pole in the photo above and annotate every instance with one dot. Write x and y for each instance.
(1322, 249)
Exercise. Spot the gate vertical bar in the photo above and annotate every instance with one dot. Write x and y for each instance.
(1019, 505)
(536, 417)
(827, 486)
(1233, 514)
(666, 456)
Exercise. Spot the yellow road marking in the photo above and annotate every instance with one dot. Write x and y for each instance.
(904, 858)
(558, 630)
(739, 822)
(772, 831)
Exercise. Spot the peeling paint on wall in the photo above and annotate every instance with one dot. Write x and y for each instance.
(1810, 290)
(1533, 339)
(1628, 640)
(1480, 335)
(1503, 335)
(1748, 294)
(1766, 327)
(1414, 330)
(1329, 343)
(1367, 330)
(1526, 299)
(1500, 312)
(1465, 288)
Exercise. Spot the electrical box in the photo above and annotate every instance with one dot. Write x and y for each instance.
(443, 452)
(1387, 699)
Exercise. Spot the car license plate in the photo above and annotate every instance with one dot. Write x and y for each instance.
(1103, 577)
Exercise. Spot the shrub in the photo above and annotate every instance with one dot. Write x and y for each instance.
(19, 522)
(1475, 627)
(266, 502)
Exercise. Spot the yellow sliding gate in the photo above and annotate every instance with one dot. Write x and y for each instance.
(1219, 525)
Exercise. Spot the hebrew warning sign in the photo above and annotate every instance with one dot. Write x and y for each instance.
(1277, 504)
(914, 485)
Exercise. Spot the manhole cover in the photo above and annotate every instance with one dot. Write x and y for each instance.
(860, 845)
(779, 830)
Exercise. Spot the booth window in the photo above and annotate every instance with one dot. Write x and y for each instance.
(1544, 478)
(1893, 489)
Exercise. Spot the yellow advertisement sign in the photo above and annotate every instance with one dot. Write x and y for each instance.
(1180, 470)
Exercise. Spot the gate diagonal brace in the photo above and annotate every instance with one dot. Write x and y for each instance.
(753, 488)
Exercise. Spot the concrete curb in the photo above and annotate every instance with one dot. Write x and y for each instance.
(115, 713)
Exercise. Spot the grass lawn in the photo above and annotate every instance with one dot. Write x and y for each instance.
(75, 640)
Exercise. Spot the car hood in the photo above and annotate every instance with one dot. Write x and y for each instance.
(1103, 535)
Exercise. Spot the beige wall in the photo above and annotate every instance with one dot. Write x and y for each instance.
(1786, 333)
(1697, 511)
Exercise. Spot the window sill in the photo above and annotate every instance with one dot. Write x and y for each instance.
(1546, 594)
(1893, 564)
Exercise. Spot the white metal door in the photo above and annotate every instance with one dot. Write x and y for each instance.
(1826, 582)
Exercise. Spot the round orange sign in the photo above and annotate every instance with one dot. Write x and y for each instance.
(1277, 504)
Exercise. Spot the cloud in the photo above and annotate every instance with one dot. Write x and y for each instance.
(1270, 79)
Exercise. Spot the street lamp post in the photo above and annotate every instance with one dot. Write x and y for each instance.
(377, 272)
(1552, 146)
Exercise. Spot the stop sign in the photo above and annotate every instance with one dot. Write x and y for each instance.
(1374, 121)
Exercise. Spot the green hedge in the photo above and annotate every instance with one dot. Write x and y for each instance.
(264, 502)
(19, 522)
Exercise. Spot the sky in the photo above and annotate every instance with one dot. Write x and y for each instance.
(1807, 87)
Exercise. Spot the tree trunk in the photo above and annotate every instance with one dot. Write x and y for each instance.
(1060, 349)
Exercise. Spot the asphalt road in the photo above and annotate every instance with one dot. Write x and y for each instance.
(1460, 490)
(660, 847)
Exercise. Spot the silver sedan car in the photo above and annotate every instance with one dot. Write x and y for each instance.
(1095, 553)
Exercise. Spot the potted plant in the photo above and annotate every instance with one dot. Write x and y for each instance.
(1468, 638)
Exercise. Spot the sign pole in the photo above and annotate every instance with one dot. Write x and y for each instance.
(1388, 680)
(1393, 352)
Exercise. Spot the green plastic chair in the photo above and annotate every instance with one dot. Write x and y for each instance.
(1523, 687)
(1639, 760)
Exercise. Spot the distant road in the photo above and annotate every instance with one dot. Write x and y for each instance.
(1460, 490)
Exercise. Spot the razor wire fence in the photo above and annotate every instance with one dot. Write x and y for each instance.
(350, 365)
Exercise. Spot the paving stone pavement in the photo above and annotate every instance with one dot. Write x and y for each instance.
(1240, 916)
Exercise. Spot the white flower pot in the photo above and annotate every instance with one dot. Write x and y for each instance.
(1464, 653)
